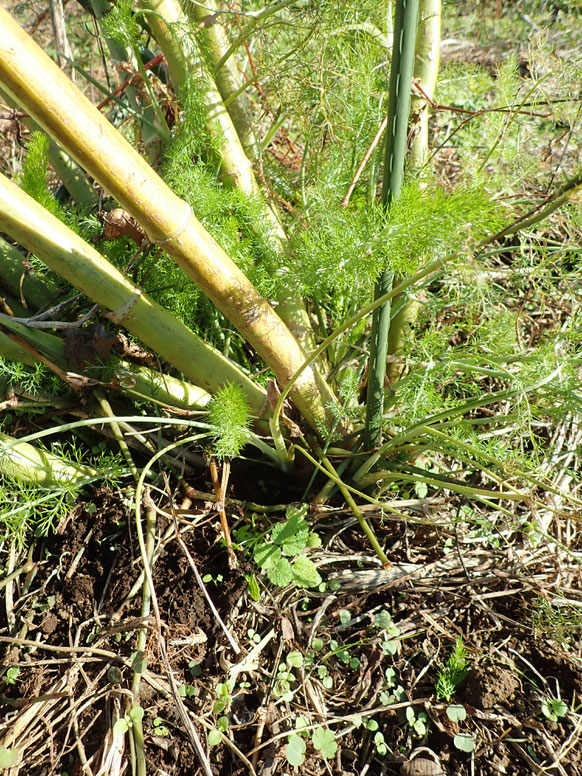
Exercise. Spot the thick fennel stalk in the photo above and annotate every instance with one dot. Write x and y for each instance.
(68, 116)
(182, 49)
(72, 258)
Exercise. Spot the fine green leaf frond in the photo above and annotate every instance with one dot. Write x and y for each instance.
(229, 414)
(342, 251)
(34, 171)
(121, 25)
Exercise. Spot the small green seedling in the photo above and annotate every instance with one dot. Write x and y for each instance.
(554, 708)
(215, 735)
(123, 724)
(380, 744)
(390, 632)
(285, 676)
(253, 636)
(160, 728)
(223, 691)
(208, 578)
(418, 722)
(452, 675)
(186, 691)
(11, 676)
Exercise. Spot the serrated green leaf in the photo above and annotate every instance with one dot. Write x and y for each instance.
(464, 741)
(304, 573)
(284, 531)
(280, 573)
(291, 536)
(266, 555)
(214, 737)
(295, 752)
(456, 712)
(324, 740)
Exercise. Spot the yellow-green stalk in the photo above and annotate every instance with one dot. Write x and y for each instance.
(172, 29)
(72, 258)
(69, 117)
(27, 463)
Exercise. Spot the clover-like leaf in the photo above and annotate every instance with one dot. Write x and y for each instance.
(464, 742)
(295, 752)
(456, 712)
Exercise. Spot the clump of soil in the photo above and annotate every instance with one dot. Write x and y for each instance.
(489, 684)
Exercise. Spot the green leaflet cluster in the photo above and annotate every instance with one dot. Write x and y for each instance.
(278, 551)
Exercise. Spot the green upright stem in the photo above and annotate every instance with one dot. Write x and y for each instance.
(405, 21)
(426, 65)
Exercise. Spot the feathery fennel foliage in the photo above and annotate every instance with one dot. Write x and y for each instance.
(228, 413)
(121, 25)
(33, 179)
(343, 251)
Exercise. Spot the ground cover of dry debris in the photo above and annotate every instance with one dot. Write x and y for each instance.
(74, 615)
(349, 679)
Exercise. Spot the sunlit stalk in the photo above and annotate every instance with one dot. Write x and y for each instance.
(405, 21)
